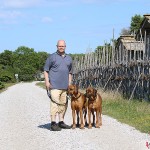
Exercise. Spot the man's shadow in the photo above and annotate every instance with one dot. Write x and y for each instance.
(45, 126)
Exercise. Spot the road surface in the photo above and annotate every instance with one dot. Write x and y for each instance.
(25, 123)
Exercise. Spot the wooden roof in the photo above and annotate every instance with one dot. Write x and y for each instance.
(145, 25)
(129, 42)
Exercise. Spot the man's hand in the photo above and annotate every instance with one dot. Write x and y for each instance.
(47, 85)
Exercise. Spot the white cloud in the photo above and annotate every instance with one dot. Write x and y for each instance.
(33, 3)
(10, 17)
(39, 3)
(19, 3)
(10, 14)
(47, 20)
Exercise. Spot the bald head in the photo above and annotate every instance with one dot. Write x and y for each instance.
(61, 46)
(61, 43)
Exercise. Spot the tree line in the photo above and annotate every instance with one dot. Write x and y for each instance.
(23, 61)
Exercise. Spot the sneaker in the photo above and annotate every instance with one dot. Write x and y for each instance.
(55, 127)
(64, 126)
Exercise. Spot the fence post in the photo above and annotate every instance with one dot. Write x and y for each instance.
(135, 87)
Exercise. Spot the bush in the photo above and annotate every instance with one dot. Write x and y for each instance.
(26, 77)
(1, 85)
(7, 76)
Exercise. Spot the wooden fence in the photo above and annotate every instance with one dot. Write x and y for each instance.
(115, 70)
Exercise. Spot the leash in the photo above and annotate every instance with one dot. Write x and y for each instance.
(63, 104)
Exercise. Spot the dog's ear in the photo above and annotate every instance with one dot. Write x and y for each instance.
(95, 92)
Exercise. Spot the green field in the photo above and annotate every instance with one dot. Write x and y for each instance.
(133, 112)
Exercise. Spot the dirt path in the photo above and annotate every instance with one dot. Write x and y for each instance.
(24, 125)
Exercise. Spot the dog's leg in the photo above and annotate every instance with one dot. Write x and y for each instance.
(74, 117)
(100, 115)
(85, 119)
(89, 116)
(78, 119)
(97, 119)
(81, 118)
(93, 124)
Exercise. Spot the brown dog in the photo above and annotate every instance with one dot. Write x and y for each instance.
(78, 105)
(94, 105)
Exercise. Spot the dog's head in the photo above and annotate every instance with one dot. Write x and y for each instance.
(91, 92)
(72, 90)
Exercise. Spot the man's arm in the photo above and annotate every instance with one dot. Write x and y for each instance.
(47, 84)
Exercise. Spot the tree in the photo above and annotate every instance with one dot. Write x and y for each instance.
(6, 66)
(23, 61)
(6, 58)
(26, 63)
(77, 56)
(125, 31)
(135, 23)
(42, 56)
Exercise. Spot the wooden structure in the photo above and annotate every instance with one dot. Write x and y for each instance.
(143, 34)
(128, 49)
(124, 68)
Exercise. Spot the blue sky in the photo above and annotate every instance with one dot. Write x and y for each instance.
(84, 24)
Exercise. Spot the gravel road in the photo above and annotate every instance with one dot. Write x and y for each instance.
(25, 123)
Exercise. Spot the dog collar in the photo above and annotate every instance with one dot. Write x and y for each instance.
(93, 99)
(77, 96)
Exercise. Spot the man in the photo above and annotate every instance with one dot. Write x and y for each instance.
(58, 75)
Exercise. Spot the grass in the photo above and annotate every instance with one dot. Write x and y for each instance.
(133, 112)
(41, 84)
(6, 86)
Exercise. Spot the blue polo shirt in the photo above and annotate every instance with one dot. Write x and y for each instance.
(59, 69)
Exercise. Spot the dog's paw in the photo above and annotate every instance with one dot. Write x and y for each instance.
(90, 126)
(97, 126)
(93, 124)
(73, 126)
(82, 126)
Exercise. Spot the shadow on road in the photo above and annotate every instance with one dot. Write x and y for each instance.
(45, 126)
